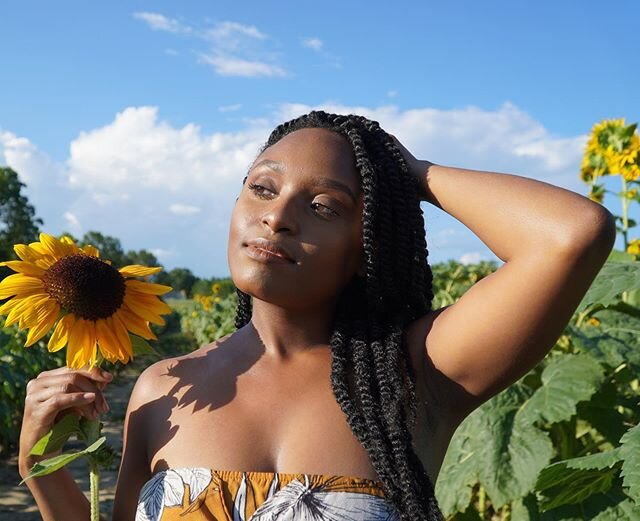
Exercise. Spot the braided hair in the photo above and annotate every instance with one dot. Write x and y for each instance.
(371, 374)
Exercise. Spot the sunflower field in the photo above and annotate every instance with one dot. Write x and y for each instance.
(561, 443)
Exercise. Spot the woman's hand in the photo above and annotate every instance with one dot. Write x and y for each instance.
(419, 168)
(52, 395)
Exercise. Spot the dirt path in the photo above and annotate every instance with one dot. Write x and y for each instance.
(16, 503)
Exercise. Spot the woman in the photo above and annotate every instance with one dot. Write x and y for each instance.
(338, 394)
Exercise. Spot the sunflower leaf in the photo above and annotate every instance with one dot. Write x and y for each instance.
(48, 466)
(56, 438)
(141, 346)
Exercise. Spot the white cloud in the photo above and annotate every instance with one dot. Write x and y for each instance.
(230, 108)
(505, 140)
(183, 209)
(235, 49)
(159, 22)
(223, 32)
(471, 257)
(230, 66)
(161, 253)
(123, 178)
(73, 222)
(313, 43)
(392, 93)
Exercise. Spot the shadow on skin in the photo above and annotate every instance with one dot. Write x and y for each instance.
(206, 381)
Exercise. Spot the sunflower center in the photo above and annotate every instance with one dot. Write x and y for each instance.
(85, 286)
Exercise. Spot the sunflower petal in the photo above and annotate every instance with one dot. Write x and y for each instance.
(60, 334)
(27, 268)
(137, 270)
(148, 287)
(52, 245)
(44, 326)
(124, 340)
(136, 324)
(26, 253)
(140, 308)
(79, 352)
(91, 250)
(151, 302)
(108, 343)
(70, 247)
(92, 337)
(25, 310)
(17, 283)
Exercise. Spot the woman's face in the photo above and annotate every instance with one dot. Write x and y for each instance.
(304, 195)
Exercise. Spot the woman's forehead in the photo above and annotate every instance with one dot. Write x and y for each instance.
(313, 151)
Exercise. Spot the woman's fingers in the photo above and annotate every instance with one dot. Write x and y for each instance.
(49, 403)
(95, 373)
(70, 382)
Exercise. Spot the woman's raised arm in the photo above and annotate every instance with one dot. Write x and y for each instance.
(553, 241)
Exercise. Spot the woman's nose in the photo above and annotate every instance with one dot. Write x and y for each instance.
(281, 215)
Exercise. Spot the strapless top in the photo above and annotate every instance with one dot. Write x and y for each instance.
(195, 493)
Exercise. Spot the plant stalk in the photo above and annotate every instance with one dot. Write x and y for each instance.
(94, 480)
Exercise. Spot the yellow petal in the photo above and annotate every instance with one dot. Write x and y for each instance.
(136, 324)
(79, 351)
(141, 309)
(124, 340)
(137, 270)
(60, 334)
(18, 283)
(151, 302)
(52, 245)
(92, 338)
(148, 287)
(26, 253)
(27, 268)
(52, 310)
(24, 309)
(108, 343)
(91, 250)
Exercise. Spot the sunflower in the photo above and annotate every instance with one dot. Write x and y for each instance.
(94, 304)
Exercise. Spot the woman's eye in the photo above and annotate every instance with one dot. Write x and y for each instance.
(325, 209)
(260, 190)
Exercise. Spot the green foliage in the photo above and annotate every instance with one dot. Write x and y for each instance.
(18, 223)
(208, 318)
(562, 443)
(18, 365)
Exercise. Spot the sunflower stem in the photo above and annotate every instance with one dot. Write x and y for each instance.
(93, 433)
(94, 480)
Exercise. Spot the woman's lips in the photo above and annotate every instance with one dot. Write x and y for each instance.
(262, 255)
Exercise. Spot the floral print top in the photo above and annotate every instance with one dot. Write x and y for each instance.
(225, 495)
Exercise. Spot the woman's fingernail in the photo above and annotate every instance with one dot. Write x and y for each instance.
(106, 375)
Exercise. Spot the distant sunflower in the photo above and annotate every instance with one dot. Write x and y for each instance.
(96, 303)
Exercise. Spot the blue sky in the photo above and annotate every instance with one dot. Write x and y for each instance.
(138, 119)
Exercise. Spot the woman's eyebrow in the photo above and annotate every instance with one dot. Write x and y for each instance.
(317, 180)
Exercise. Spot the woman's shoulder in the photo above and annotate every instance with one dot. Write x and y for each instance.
(161, 377)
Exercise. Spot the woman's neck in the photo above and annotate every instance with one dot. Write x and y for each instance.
(285, 333)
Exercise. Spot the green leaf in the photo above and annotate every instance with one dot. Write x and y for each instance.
(620, 256)
(566, 381)
(459, 472)
(55, 439)
(614, 278)
(141, 346)
(615, 341)
(561, 484)
(630, 453)
(48, 466)
(495, 447)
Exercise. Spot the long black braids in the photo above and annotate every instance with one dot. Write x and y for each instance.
(371, 373)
